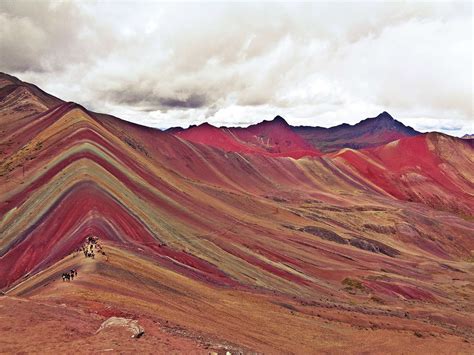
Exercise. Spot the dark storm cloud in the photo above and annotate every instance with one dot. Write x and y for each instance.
(192, 101)
(147, 101)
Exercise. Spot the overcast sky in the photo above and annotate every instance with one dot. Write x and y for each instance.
(316, 64)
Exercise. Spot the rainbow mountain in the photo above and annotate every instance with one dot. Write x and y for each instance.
(223, 239)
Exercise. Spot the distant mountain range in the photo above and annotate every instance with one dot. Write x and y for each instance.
(277, 137)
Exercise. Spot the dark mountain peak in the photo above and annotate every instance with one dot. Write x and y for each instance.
(383, 119)
(279, 119)
(384, 116)
(370, 132)
(204, 126)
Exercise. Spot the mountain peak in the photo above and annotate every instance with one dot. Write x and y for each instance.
(384, 115)
(203, 126)
(277, 120)
(384, 121)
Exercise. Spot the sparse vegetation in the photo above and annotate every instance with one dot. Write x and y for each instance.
(418, 334)
(377, 300)
(353, 285)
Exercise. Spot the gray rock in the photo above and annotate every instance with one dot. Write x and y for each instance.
(130, 324)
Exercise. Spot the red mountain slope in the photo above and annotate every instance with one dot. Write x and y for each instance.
(271, 138)
(432, 168)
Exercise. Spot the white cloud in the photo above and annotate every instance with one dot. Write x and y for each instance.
(316, 64)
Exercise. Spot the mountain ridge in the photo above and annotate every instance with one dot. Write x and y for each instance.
(369, 132)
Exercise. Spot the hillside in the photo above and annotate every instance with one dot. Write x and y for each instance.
(434, 169)
(240, 249)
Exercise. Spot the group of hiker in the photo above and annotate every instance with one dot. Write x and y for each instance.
(90, 247)
(69, 276)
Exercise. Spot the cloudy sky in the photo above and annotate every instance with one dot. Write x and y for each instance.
(320, 64)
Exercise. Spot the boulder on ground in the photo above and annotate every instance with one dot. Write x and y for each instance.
(129, 324)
